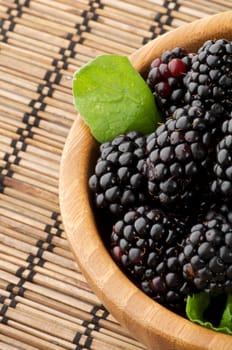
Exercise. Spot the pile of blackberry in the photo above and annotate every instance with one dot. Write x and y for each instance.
(169, 193)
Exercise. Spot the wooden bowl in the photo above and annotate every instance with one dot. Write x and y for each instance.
(147, 321)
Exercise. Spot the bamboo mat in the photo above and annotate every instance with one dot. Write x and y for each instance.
(45, 302)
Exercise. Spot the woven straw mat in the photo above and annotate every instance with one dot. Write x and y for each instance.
(45, 302)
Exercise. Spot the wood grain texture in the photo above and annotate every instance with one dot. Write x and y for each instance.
(149, 322)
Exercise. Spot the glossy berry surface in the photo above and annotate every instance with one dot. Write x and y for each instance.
(177, 67)
(222, 183)
(146, 243)
(210, 76)
(117, 183)
(165, 79)
(179, 155)
(207, 254)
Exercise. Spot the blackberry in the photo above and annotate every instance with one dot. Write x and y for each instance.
(117, 182)
(146, 243)
(210, 77)
(165, 79)
(207, 254)
(222, 184)
(180, 153)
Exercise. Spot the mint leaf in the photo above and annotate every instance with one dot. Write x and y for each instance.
(113, 98)
(197, 305)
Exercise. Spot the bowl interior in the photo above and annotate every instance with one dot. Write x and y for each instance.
(147, 321)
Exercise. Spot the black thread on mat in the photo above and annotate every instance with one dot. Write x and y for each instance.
(162, 19)
(48, 229)
(13, 293)
(19, 287)
(69, 52)
(3, 311)
(76, 339)
(57, 232)
(14, 144)
(91, 14)
(44, 89)
(10, 158)
(35, 260)
(30, 120)
(21, 270)
(4, 308)
(12, 12)
(2, 299)
(54, 76)
(15, 289)
(1, 180)
(49, 246)
(15, 159)
(46, 244)
(87, 343)
(90, 326)
(25, 133)
(57, 222)
(27, 273)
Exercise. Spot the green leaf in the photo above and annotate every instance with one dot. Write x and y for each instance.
(112, 98)
(197, 305)
(226, 320)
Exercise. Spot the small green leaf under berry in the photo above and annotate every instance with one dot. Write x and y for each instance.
(197, 306)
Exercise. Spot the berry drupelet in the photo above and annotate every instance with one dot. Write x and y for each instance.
(146, 243)
(210, 77)
(117, 182)
(179, 155)
(222, 183)
(165, 79)
(207, 253)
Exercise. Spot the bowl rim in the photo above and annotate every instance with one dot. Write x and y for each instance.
(113, 288)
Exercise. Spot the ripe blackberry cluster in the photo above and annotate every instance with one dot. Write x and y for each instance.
(210, 77)
(166, 79)
(117, 182)
(207, 254)
(146, 243)
(222, 182)
(179, 154)
(170, 192)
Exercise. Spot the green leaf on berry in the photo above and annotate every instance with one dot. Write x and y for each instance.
(196, 310)
(226, 320)
(113, 98)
